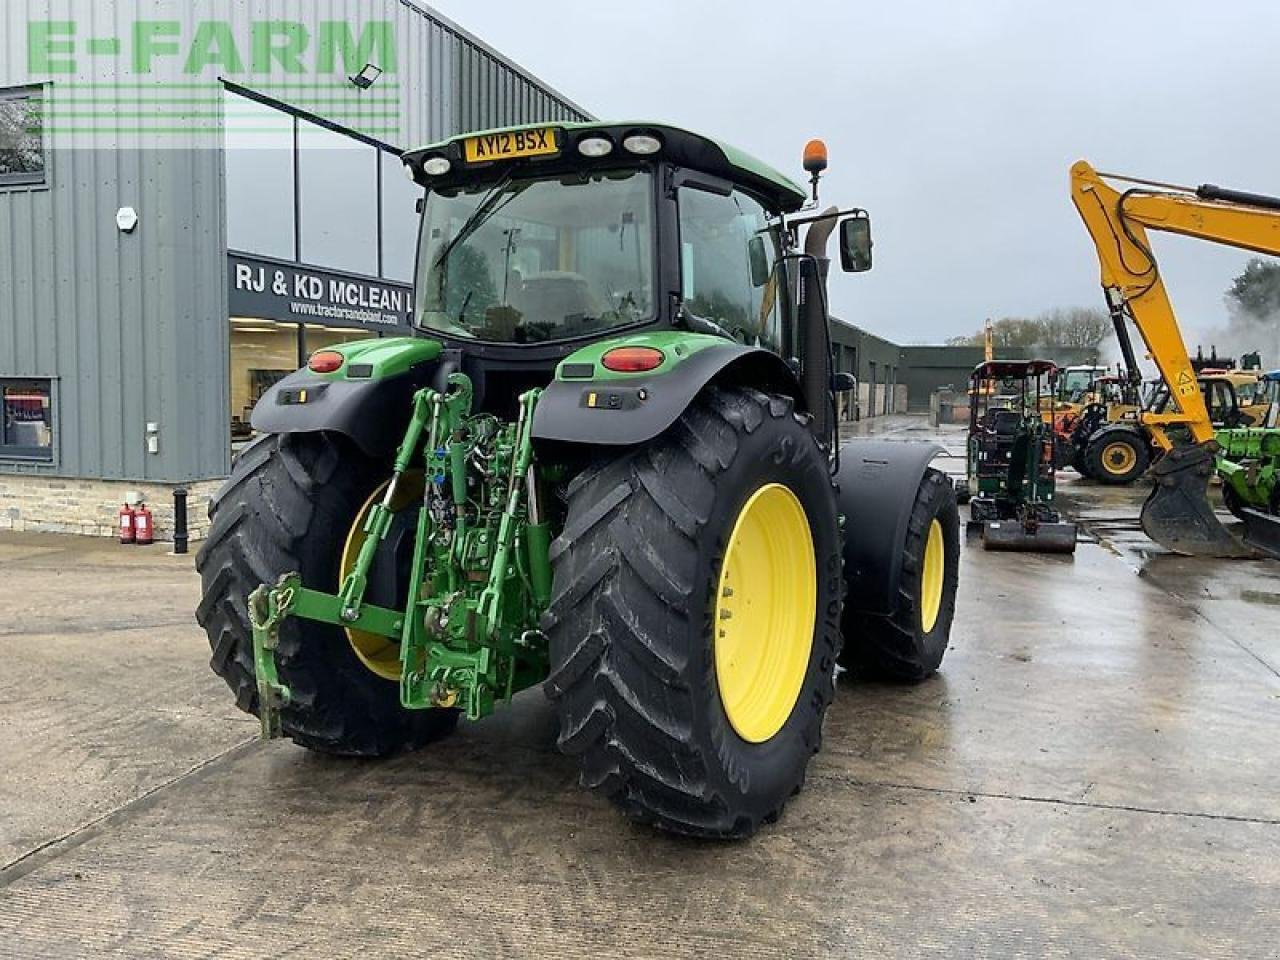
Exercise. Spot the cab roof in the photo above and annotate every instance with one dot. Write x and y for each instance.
(678, 145)
(1008, 369)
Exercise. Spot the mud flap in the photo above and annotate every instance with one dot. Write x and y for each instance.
(1177, 514)
(1262, 532)
(1043, 538)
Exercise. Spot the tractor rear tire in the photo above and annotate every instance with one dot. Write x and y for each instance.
(1117, 458)
(288, 506)
(636, 615)
(909, 644)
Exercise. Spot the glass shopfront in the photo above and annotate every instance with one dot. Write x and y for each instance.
(322, 233)
(264, 351)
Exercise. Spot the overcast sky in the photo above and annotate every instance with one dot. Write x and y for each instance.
(953, 123)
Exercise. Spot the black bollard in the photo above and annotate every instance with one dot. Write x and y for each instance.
(180, 520)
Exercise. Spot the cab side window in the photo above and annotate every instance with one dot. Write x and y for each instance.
(720, 236)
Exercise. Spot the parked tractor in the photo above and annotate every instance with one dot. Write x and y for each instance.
(606, 465)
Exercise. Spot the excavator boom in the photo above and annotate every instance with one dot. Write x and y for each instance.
(1177, 514)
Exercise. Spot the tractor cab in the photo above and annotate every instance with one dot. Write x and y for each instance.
(538, 240)
(1010, 457)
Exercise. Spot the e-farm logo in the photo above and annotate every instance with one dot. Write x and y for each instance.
(164, 76)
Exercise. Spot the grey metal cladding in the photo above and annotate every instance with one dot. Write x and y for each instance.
(133, 327)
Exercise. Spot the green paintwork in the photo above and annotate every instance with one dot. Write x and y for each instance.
(389, 357)
(735, 157)
(479, 580)
(1249, 463)
(676, 346)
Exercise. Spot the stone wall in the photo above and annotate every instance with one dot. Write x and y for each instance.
(92, 507)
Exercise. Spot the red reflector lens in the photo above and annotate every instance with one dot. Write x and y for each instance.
(325, 361)
(632, 359)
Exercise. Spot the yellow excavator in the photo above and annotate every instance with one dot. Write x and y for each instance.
(1177, 513)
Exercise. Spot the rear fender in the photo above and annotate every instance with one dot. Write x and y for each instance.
(589, 404)
(878, 481)
(368, 399)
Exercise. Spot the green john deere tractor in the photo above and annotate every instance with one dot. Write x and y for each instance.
(607, 464)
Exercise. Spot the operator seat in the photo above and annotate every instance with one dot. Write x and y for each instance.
(556, 295)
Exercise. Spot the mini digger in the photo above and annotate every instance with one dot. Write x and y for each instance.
(1010, 458)
(605, 465)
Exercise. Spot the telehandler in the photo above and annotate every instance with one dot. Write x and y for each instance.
(1177, 513)
(606, 464)
(1249, 468)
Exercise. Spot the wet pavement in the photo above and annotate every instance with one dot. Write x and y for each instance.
(1095, 772)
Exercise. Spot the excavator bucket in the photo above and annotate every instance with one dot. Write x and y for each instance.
(1177, 514)
(1043, 538)
(1262, 532)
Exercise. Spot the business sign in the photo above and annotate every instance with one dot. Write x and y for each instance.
(288, 292)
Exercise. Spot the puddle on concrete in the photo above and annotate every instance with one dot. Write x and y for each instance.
(1260, 596)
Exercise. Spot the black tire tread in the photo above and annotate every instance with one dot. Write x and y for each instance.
(283, 491)
(619, 680)
(886, 646)
(1093, 458)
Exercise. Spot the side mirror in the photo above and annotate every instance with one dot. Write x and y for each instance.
(843, 382)
(855, 245)
(758, 257)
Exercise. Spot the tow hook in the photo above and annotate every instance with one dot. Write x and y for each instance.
(268, 607)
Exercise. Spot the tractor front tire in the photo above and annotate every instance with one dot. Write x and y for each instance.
(288, 506)
(653, 671)
(909, 643)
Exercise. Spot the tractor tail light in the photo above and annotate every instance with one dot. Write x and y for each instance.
(632, 359)
(325, 361)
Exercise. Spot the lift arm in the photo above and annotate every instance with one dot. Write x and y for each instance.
(1178, 513)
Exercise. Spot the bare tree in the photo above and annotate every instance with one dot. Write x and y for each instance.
(1081, 328)
(20, 136)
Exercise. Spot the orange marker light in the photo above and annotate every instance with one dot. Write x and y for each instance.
(632, 359)
(325, 361)
(815, 156)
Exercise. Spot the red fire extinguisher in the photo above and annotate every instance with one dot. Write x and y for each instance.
(143, 529)
(127, 516)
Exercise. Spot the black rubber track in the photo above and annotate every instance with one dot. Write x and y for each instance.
(636, 569)
(896, 647)
(287, 506)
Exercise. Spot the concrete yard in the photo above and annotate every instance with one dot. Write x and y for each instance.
(1095, 773)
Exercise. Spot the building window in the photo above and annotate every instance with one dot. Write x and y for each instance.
(22, 155)
(26, 419)
(260, 178)
(400, 198)
(337, 200)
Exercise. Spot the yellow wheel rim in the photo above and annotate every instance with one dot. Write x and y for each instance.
(1118, 458)
(765, 610)
(378, 653)
(932, 575)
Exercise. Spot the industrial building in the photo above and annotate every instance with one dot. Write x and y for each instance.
(188, 207)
